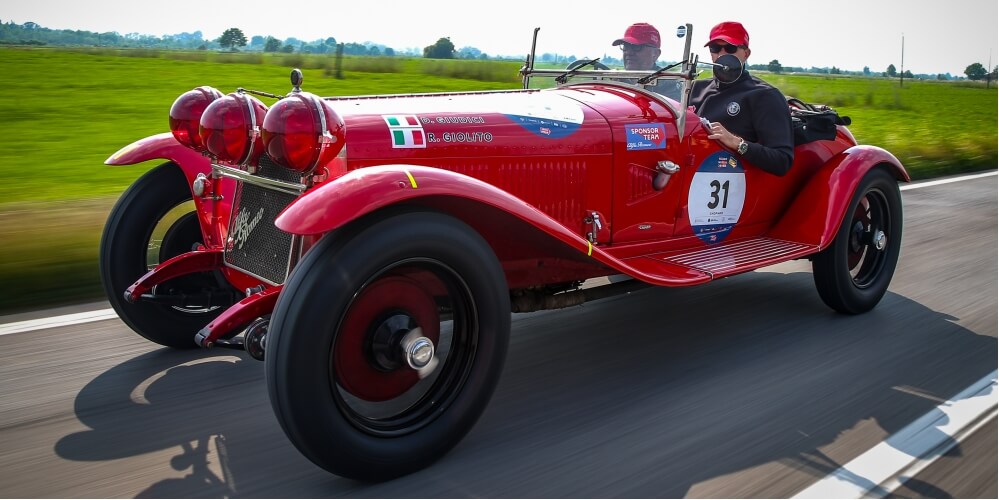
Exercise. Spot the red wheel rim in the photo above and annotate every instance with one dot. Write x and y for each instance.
(355, 368)
(862, 215)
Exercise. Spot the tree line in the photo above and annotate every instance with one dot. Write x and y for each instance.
(234, 39)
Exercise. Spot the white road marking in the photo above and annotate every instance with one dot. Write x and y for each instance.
(885, 467)
(57, 321)
(906, 187)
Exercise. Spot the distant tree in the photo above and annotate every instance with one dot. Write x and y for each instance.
(287, 49)
(891, 71)
(442, 49)
(232, 38)
(330, 41)
(389, 52)
(835, 71)
(202, 47)
(374, 51)
(994, 74)
(941, 76)
(469, 53)
(976, 71)
(256, 41)
(272, 44)
(354, 49)
(867, 71)
(907, 74)
(774, 66)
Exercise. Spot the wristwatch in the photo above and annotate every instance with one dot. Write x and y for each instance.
(743, 147)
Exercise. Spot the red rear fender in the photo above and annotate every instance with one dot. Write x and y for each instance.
(817, 211)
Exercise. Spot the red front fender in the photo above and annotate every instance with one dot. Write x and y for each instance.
(366, 190)
(816, 213)
(162, 146)
(211, 213)
(362, 191)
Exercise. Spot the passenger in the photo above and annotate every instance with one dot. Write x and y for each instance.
(640, 49)
(748, 116)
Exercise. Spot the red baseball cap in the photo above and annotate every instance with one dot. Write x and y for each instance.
(729, 32)
(640, 34)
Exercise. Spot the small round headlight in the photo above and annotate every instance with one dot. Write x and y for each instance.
(303, 131)
(230, 128)
(185, 115)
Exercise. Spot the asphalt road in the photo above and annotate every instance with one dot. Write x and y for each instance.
(746, 387)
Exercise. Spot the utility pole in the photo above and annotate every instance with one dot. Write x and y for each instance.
(988, 71)
(901, 69)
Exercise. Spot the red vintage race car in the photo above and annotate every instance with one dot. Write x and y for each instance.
(371, 249)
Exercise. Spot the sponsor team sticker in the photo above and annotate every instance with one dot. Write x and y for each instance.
(717, 196)
(645, 136)
(406, 131)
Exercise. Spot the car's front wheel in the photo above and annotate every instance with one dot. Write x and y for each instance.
(153, 221)
(387, 343)
(853, 274)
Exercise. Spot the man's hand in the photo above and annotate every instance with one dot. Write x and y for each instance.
(721, 134)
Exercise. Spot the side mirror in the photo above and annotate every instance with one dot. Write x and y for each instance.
(728, 68)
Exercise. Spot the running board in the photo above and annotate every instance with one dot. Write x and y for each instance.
(688, 267)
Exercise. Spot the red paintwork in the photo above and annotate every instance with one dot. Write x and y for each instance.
(833, 187)
(239, 315)
(185, 263)
(528, 169)
(213, 215)
(553, 184)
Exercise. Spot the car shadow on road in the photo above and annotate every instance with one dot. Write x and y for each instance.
(745, 387)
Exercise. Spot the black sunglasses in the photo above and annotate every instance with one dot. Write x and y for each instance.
(729, 48)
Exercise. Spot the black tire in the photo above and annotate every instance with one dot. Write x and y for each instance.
(853, 274)
(342, 407)
(158, 202)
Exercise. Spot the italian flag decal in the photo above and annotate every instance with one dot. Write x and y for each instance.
(406, 131)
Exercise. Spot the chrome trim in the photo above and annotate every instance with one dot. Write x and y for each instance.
(235, 173)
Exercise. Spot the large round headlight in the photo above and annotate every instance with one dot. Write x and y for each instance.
(185, 115)
(302, 131)
(230, 128)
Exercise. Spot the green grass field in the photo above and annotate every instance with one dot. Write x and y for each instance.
(66, 111)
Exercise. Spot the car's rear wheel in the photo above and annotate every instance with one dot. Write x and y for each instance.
(153, 221)
(387, 343)
(853, 274)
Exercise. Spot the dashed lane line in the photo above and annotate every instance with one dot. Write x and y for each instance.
(57, 321)
(885, 467)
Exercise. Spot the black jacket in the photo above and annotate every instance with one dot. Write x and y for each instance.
(754, 110)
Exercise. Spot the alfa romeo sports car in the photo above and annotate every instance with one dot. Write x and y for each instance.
(370, 250)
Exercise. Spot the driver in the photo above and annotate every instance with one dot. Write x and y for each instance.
(747, 116)
(640, 48)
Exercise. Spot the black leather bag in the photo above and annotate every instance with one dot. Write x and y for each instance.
(814, 122)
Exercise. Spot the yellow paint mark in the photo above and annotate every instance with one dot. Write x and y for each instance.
(412, 180)
(589, 249)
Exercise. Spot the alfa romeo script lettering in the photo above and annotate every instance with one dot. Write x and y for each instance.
(244, 226)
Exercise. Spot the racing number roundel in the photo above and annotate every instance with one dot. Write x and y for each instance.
(717, 195)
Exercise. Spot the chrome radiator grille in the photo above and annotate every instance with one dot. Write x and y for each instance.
(255, 245)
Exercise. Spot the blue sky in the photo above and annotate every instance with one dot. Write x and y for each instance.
(940, 37)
